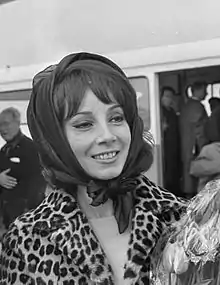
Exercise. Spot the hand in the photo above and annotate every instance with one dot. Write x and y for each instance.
(7, 181)
(165, 126)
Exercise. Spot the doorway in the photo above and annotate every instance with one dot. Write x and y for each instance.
(180, 81)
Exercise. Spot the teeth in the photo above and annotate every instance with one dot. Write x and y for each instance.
(108, 155)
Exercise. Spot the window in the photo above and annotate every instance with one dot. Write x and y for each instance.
(141, 86)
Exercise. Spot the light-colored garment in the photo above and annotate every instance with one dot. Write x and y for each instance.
(192, 251)
(207, 164)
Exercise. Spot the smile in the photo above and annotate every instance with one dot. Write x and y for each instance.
(105, 155)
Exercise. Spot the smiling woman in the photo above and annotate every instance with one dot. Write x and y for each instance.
(102, 217)
(99, 137)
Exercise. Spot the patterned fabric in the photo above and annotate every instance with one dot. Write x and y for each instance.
(193, 247)
(55, 244)
(206, 166)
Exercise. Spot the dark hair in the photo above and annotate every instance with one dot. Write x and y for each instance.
(16, 115)
(69, 94)
(214, 103)
(167, 88)
(197, 85)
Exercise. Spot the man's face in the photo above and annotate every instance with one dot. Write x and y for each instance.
(167, 99)
(9, 127)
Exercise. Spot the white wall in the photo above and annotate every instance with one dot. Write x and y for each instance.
(34, 31)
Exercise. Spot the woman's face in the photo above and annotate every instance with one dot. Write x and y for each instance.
(99, 137)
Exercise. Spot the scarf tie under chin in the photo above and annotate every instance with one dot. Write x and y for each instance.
(121, 193)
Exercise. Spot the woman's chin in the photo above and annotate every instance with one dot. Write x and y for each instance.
(108, 175)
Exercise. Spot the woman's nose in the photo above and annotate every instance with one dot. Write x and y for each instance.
(105, 135)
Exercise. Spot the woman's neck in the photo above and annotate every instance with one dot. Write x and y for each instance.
(102, 211)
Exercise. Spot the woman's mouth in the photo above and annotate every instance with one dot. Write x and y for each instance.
(106, 155)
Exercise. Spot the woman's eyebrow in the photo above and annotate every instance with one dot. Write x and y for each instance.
(115, 106)
(84, 113)
(90, 112)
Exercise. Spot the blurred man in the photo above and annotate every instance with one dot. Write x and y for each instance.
(214, 103)
(192, 121)
(21, 181)
(171, 141)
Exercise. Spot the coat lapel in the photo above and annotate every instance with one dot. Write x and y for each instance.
(145, 231)
(80, 245)
(138, 250)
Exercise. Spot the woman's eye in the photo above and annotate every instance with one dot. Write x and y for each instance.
(117, 119)
(84, 125)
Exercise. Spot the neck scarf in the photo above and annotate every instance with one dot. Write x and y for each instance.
(56, 154)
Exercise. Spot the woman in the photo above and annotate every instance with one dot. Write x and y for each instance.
(103, 217)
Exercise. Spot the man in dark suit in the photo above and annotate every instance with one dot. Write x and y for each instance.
(21, 181)
(171, 142)
(192, 121)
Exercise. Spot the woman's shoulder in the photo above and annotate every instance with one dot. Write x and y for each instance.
(148, 186)
(155, 200)
(148, 190)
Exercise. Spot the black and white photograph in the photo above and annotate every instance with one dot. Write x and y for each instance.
(109, 142)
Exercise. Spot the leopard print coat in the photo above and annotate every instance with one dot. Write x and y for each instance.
(55, 244)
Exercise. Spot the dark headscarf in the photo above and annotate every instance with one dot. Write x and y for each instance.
(56, 154)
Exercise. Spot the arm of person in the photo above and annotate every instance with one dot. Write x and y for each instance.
(7, 181)
(207, 163)
(199, 119)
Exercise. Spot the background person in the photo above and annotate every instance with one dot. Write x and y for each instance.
(192, 119)
(171, 142)
(214, 103)
(21, 181)
(206, 166)
(102, 212)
